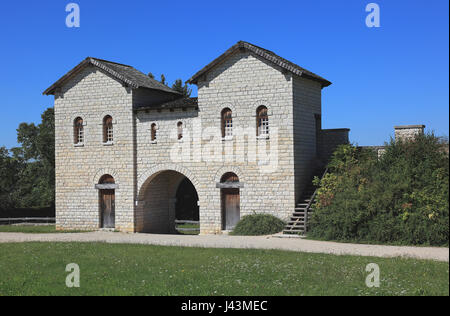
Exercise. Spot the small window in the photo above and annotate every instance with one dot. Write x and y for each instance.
(262, 121)
(180, 130)
(229, 177)
(227, 123)
(108, 131)
(78, 134)
(153, 132)
(107, 179)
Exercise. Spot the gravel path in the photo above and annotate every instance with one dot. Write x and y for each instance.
(223, 241)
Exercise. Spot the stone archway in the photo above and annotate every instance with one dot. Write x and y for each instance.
(156, 209)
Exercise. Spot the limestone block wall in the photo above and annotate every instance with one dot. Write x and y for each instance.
(92, 95)
(243, 82)
(330, 139)
(407, 132)
(307, 106)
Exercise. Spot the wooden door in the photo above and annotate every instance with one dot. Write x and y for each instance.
(108, 216)
(230, 208)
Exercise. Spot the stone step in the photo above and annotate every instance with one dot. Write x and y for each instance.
(297, 222)
(296, 231)
(301, 212)
(295, 225)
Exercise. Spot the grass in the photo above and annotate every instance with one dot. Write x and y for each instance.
(106, 269)
(34, 229)
(369, 242)
(192, 232)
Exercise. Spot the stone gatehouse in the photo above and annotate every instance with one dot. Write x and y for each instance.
(134, 155)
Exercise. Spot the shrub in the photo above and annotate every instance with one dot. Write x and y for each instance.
(258, 225)
(402, 197)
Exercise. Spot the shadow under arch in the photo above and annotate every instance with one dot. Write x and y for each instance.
(166, 196)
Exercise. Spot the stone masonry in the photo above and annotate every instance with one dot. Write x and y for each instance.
(406, 132)
(272, 170)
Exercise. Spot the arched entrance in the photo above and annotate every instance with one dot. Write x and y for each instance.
(186, 206)
(231, 210)
(107, 201)
(165, 197)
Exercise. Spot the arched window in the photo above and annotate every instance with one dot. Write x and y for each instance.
(262, 121)
(229, 177)
(107, 179)
(78, 131)
(180, 130)
(227, 123)
(153, 132)
(108, 131)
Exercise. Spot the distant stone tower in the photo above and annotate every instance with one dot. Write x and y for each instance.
(407, 132)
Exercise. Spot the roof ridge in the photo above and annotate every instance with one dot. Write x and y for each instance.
(266, 54)
(124, 73)
(110, 62)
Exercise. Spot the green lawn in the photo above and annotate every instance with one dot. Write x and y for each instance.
(189, 232)
(30, 229)
(39, 269)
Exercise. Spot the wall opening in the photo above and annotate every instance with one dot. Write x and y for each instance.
(231, 212)
(164, 198)
(107, 201)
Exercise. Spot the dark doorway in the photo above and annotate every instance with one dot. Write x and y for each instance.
(186, 207)
(107, 204)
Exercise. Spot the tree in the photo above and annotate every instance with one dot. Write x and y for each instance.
(400, 197)
(163, 79)
(37, 157)
(183, 89)
(8, 179)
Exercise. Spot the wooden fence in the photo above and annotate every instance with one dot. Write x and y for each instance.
(180, 229)
(27, 220)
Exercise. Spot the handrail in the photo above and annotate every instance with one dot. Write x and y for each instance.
(27, 219)
(312, 201)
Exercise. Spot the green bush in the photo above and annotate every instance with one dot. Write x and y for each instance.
(401, 197)
(258, 225)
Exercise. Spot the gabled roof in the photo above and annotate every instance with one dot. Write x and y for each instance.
(180, 103)
(267, 55)
(123, 73)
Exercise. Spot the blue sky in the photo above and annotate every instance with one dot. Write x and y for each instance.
(393, 75)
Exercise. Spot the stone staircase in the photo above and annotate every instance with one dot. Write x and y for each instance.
(297, 224)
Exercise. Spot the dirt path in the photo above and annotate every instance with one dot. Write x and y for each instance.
(223, 241)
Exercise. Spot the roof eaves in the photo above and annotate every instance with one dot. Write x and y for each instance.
(268, 55)
(80, 66)
(113, 73)
(75, 70)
